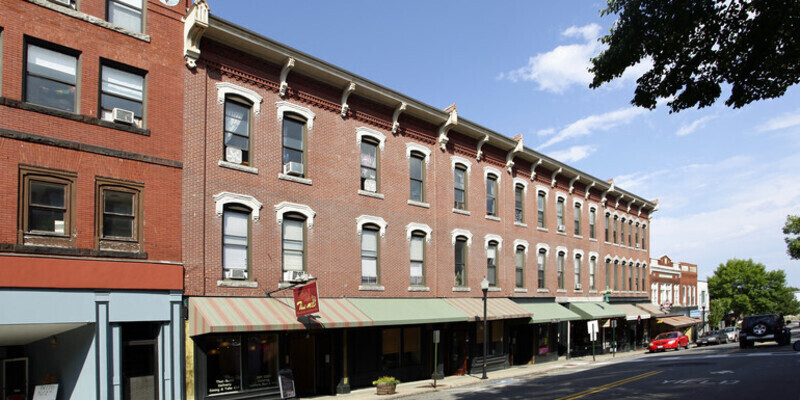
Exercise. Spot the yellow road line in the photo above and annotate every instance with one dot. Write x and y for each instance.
(732, 351)
(609, 385)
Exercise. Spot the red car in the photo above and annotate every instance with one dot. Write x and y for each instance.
(669, 340)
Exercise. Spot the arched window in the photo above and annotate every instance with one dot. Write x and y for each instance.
(592, 222)
(491, 262)
(519, 262)
(417, 176)
(541, 202)
(491, 195)
(237, 131)
(294, 239)
(235, 241)
(460, 187)
(542, 258)
(519, 203)
(592, 272)
(370, 251)
(460, 258)
(578, 259)
(417, 258)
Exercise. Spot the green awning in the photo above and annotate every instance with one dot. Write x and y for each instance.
(548, 312)
(596, 310)
(408, 311)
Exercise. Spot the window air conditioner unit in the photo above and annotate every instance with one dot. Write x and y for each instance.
(122, 115)
(293, 168)
(238, 274)
(562, 228)
(294, 276)
(578, 286)
(637, 245)
(370, 185)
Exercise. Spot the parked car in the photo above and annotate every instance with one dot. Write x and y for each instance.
(732, 332)
(764, 328)
(713, 337)
(669, 340)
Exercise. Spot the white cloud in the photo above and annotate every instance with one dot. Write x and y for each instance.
(601, 122)
(546, 132)
(784, 121)
(698, 124)
(556, 70)
(573, 154)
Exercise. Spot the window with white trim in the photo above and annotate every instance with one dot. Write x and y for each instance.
(615, 228)
(236, 130)
(608, 223)
(560, 269)
(121, 88)
(519, 203)
(460, 258)
(294, 138)
(608, 273)
(616, 275)
(491, 263)
(369, 165)
(51, 76)
(578, 259)
(369, 254)
(644, 236)
(541, 201)
(636, 240)
(560, 214)
(592, 271)
(630, 233)
(491, 195)
(126, 14)
(235, 241)
(460, 187)
(592, 222)
(541, 259)
(293, 239)
(417, 176)
(577, 212)
(630, 276)
(417, 257)
(520, 266)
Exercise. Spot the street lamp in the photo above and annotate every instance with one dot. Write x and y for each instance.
(485, 289)
(703, 319)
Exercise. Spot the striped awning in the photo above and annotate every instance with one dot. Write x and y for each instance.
(248, 314)
(496, 308)
(652, 309)
(679, 321)
(632, 313)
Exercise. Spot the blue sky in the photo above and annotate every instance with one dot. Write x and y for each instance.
(725, 178)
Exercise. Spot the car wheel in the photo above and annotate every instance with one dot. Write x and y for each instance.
(796, 346)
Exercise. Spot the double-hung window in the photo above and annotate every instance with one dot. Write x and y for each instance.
(608, 223)
(460, 258)
(51, 78)
(592, 272)
(122, 90)
(540, 204)
(630, 276)
(560, 269)
(520, 266)
(293, 243)
(417, 177)
(560, 214)
(369, 166)
(48, 207)
(592, 223)
(369, 255)
(519, 204)
(119, 214)
(235, 242)
(615, 229)
(577, 213)
(616, 275)
(460, 188)
(294, 146)
(644, 236)
(237, 131)
(417, 259)
(578, 272)
(630, 233)
(608, 273)
(491, 263)
(542, 256)
(491, 195)
(126, 13)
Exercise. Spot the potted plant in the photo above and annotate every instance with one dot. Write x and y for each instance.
(386, 384)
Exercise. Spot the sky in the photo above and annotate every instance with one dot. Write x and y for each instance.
(725, 178)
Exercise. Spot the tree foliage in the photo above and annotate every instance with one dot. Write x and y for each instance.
(744, 287)
(697, 45)
(792, 232)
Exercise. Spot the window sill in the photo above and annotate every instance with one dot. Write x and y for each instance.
(577, 291)
(593, 291)
(371, 288)
(492, 218)
(462, 289)
(520, 290)
(592, 240)
(418, 204)
(561, 291)
(237, 284)
(238, 167)
(370, 194)
(294, 179)
(495, 289)
(561, 233)
(90, 19)
(577, 236)
(520, 224)
(462, 212)
(69, 251)
(539, 228)
(419, 289)
(72, 116)
(542, 290)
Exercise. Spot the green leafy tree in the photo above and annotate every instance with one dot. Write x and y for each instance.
(743, 287)
(792, 232)
(697, 46)
(718, 309)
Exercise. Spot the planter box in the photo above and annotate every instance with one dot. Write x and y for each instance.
(386, 388)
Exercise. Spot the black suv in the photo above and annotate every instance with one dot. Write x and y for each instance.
(764, 328)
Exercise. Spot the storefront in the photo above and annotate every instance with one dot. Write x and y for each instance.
(92, 344)
(636, 327)
(610, 319)
(677, 323)
(537, 340)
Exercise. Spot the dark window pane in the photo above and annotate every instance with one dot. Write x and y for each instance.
(290, 155)
(117, 226)
(240, 142)
(223, 364)
(110, 102)
(50, 93)
(261, 361)
(416, 190)
(118, 202)
(47, 194)
(293, 134)
(46, 220)
(416, 168)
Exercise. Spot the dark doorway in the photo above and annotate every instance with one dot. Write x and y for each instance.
(139, 360)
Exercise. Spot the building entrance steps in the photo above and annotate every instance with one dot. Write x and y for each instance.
(414, 388)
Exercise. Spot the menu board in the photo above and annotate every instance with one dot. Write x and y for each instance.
(45, 392)
(286, 383)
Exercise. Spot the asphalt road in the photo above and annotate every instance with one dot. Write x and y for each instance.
(767, 371)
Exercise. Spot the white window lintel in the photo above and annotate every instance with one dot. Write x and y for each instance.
(223, 198)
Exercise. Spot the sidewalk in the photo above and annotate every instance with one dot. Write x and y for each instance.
(407, 389)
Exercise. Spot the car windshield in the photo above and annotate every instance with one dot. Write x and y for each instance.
(729, 329)
(670, 335)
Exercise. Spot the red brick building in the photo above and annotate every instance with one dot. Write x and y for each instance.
(674, 290)
(294, 168)
(90, 197)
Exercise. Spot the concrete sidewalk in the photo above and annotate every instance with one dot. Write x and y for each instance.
(407, 389)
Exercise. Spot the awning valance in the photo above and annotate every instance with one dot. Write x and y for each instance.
(632, 313)
(496, 308)
(408, 311)
(548, 312)
(596, 310)
(679, 321)
(652, 309)
(248, 314)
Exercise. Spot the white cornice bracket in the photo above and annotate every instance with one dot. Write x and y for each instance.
(630, 203)
(510, 156)
(639, 214)
(621, 196)
(480, 146)
(572, 183)
(194, 25)
(553, 177)
(604, 197)
(345, 94)
(591, 185)
(396, 116)
(533, 169)
(452, 121)
(284, 74)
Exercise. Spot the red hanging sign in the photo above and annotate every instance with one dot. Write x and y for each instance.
(305, 300)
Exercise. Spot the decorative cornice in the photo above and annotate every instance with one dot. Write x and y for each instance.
(533, 168)
(452, 121)
(553, 177)
(396, 116)
(286, 207)
(572, 183)
(194, 26)
(369, 219)
(362, 131)
(223, 198)
(345, 94)
(287, 66)
(480, 147)
(620, 197)
(413, 226)
(226, 88)
(604, 196)
(591, 185)
(510, 156)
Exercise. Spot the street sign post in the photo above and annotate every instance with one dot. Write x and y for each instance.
(593, 327)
